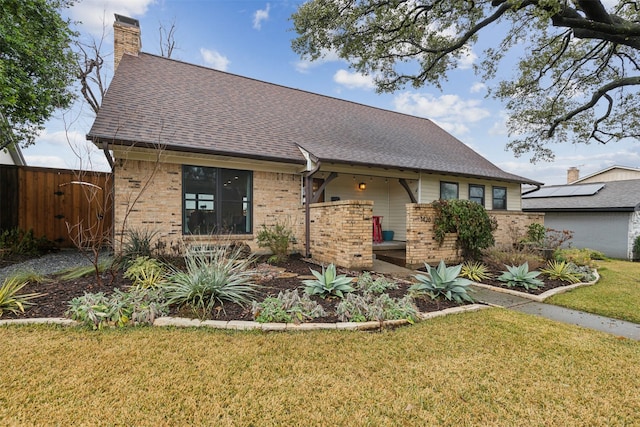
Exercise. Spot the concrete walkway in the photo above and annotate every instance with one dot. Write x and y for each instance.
(513, 302)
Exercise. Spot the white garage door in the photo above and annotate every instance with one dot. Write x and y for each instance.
(605, 232)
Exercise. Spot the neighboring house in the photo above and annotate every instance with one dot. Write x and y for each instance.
(602, 215)
(12, 155)
(612, 173)
(200, 153)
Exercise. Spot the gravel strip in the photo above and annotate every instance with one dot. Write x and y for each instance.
(50, 263)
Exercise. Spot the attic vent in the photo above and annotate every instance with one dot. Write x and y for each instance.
(127, 21)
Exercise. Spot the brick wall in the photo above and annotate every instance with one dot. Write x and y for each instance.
(341, 233)
(422, 246)
(152, 201)
(421, 242)
(512, 226)
(148, 197)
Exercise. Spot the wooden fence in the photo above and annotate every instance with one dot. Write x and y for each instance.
(47, 201)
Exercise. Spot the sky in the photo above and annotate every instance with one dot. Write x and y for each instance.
(252, 38)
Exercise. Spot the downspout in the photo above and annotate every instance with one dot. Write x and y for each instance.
(105, 149)
(311, 169)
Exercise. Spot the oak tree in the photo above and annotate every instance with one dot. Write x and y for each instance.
(36, 66)
(578, 64)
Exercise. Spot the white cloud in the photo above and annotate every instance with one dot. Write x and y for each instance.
(467, 59)
(96, 14)
(214, 59)
(353, 80)
(55, 162)
(478, 87)
(450, 111)
(261, 15)
(500, 125)
(304, 65)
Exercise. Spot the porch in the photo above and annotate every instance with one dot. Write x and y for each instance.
(341, 232)
(394, 252)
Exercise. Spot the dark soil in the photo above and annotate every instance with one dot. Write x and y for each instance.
(272, 280)
(548, 284)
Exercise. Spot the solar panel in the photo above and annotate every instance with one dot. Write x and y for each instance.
(565, 191)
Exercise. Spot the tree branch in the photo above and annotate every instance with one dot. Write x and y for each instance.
(602, 92)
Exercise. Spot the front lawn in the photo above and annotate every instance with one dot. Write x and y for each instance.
(492, 367)
(617, 293)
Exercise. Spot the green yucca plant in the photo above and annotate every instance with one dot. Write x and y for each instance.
(10, 301)
(560, 270)
(475, 270)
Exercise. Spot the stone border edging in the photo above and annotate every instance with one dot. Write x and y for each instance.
(244, 325)
(543, 296)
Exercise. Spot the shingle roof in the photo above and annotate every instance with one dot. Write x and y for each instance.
(613, 196)
(154, 100)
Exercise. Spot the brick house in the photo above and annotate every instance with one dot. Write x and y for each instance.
(204, 154)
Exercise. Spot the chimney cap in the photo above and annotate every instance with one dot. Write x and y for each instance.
(127, 21)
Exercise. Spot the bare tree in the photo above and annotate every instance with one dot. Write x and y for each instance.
(167, 39)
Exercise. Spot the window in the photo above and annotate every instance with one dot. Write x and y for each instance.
(216, 201)
(500, 198)
(448, 190)
(476, 193)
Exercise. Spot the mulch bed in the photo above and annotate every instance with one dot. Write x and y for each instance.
(59, 293)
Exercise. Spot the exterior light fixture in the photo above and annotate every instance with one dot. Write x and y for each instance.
(362, 186)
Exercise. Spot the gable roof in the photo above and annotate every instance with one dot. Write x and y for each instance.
(154, 100)
(603, 197)
(604, 171)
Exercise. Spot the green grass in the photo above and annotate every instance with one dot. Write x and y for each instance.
(617, 293)
(491, 367)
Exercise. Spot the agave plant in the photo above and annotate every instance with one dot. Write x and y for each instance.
(444, 282)
(520, 276)
(328, 283)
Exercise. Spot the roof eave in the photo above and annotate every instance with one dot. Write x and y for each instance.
(182, 149)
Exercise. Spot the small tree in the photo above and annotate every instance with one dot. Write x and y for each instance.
(470, 220)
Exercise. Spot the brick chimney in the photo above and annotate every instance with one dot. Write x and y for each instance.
(573, 174)
(126, 38)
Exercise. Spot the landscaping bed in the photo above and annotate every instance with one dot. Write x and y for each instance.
(286, 275)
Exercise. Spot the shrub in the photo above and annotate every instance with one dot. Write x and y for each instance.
(560, 270)
(576, 256)
(470, 220)
(367, 284)
(137, 244)
(211, 278)
(328, 283)
(287, 307)
(133, 308)
(443, 282)
(145, 272)
(9, 298)
(521, 277)
(15, 241)
(535, 234)
(554, 239)
(496, 258)
(277, 238)
(636, 248)
(371, 307)
(475, 270)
